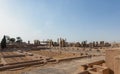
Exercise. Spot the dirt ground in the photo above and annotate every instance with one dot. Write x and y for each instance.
(56, 54)
(69, 67)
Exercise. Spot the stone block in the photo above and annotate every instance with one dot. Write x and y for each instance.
(117, 65)
(110, 59)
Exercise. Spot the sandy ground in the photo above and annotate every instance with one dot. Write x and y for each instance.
(67, 67)
(56, 54)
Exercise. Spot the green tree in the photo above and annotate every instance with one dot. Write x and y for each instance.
(7, 39)
(3, 42)
(12, 40)
(19, 39)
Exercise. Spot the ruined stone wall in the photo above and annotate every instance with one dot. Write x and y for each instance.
(111, 62)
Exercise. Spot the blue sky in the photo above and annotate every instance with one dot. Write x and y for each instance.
(76, 20)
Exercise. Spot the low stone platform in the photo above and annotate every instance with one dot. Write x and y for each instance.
(11, 60)
(11, 54)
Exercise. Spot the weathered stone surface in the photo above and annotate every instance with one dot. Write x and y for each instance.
(101, 69)
(84, 72)
(117, 65)
(110, 59)
(47, 71)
